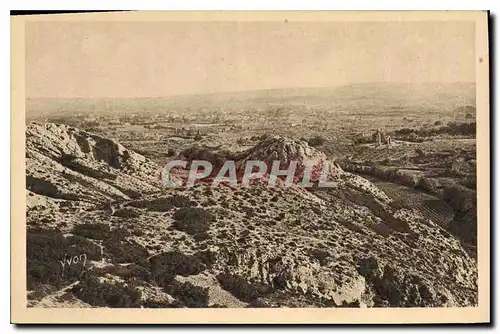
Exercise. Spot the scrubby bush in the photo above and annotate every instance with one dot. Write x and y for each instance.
(320, 255)
(201, 153)
(192, 220)
(46, 249)
(106, 294)
(459, 198)
(127, 213)
(261, 137)
(406, 178)
(125, 251)
(384, 173)
(81, 245)
(241, 288)
(428, 184)
(404, 131)
(188, 294)
(97, 231)
(464, 225)
(167, 265)
(469, 182)
(316, 140)
(171, 152)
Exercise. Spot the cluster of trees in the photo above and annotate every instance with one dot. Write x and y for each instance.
(454, 129)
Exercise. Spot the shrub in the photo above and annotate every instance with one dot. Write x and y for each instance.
(192, 220)
(200, 153)
(406, 178)
(81, 245)
(241, 288)
(126, 213)
(105, 294)
(428, 184)
(168, 265)
(97, 231)
(123, 251)
(469, 182)
(320, 255)
(464, 225)
(316, 140)
(188, 294)
(44, 251)
(171, 152)
(459, 198)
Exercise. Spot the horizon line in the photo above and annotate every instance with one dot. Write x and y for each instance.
(253, 90)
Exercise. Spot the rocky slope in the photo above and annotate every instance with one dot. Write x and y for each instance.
(102, 232)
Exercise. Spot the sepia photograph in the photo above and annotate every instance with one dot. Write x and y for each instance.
(311, 166)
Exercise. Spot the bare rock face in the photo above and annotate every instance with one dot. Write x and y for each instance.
(67, 163)
(226, 246)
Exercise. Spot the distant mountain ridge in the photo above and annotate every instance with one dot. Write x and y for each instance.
(376, 96)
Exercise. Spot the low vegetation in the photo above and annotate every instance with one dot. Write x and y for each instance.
(192, 220)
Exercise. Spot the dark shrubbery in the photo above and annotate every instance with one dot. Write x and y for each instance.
(188, 294)
(171, 152)
(259, 138)
(241, 288)
(168, 265)
(192, 220)
(407, 178)
(459, 198)
(126, 213)
(320, 255)
(316, 140)
(81, 245)
(98, 231)
(428, 184)
(464, 225)
(200, 153)
(469, 182)
(106, 294)
(45, 251)
(124, 251)
(454, 129)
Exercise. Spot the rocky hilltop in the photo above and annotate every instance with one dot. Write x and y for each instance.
(102, 232)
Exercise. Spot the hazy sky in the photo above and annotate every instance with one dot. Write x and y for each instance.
(142, 59)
